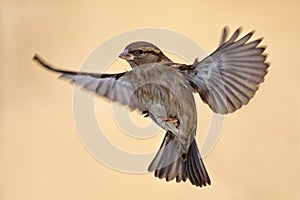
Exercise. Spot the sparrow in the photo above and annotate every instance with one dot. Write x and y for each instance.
(163, 90)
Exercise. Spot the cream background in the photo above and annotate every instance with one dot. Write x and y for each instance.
(41, 156)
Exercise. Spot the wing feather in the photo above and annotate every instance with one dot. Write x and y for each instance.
(229, 77)
(114, 87)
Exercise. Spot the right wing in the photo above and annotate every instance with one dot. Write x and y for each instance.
(115, 87)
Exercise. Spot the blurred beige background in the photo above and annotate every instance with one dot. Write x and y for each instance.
(41, 156)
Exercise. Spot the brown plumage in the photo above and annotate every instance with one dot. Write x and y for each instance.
(140, 53)
(226, 80)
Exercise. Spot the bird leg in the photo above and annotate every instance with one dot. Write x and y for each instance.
(174, 120)
(145, 113)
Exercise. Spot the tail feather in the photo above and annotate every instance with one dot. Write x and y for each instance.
(181, 176)
(170, 165)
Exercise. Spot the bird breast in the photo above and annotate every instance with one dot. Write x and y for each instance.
(164, 92)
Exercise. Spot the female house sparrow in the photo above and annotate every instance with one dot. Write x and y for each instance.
(226, 80)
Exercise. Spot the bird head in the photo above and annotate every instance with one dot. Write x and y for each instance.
(139, 53)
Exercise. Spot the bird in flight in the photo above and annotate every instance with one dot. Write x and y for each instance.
(163, 90)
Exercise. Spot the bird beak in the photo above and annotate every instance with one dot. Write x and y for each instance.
(126, 55)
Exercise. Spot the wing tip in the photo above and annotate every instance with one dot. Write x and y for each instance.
(36, 57)
(44, 64)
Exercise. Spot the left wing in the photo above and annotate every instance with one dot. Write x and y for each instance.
(229, 77)
(115, 87)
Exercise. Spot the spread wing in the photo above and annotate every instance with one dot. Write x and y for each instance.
(229, 77)
(115, 87)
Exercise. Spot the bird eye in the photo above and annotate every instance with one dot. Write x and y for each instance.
(141, 52)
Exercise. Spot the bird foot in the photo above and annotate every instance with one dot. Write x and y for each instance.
(174, 120)
(145, 113)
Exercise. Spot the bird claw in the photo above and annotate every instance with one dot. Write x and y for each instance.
(145, 113)
(174, 120)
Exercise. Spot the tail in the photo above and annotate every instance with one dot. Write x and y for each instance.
(169, 164)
